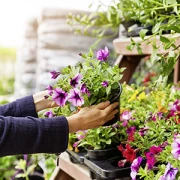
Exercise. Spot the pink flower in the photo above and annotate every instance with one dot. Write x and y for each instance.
(75, 97)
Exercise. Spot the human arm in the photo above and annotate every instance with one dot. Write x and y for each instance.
(27, 106)
(29, 135)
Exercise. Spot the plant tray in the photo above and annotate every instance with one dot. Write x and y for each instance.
(77, 158)
(107, 169)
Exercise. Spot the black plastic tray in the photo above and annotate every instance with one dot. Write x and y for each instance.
(107, 169)
(77, 157)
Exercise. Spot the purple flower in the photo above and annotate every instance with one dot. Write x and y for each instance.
(158, 115)
(135, 167)
(176, 148)
(104, 83)
(75, 98)
(84, 89)
(150, 160)
(125, 116)
(170, 173)
(143, 131)
(74, 82)
(131, 130)
(54, 74)
(49, 114)
(50, 90)
(59, 96)
(102, 54)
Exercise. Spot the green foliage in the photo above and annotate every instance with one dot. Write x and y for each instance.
(7, 53)
(6, 85)
(102, 137)
(7, 166)
(162, 15)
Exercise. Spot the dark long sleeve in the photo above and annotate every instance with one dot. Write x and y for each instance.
(29, 135)
(20, 108)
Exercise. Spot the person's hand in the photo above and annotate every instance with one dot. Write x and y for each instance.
(41, 102)
(92, 117)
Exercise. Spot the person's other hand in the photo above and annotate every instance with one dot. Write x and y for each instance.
(92, 117)
(41, 102)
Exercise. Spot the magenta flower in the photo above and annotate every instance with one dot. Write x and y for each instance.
(102, 54)
(75, 98)
(155, 149)
(76, 144)
(131, 130)
(59, 96)
(170, 173)
(176, 106)
(81, 134)
(176, 148)
(104, 83)
(135, 167)
(121, 163)
(74, 82)
(84, 89)
(150, 160)
(49, 114)
(54, 74)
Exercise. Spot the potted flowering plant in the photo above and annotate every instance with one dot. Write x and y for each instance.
(89, 82)
(151, 121)
(101, 143)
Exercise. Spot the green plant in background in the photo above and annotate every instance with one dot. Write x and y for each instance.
(102, 138)
(7, 53)
(162, 15)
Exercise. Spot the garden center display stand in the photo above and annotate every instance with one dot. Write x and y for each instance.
(131, 59)
(92, 169)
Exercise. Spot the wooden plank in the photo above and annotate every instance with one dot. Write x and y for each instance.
(120, 45)
(176, 77)
(77, 171)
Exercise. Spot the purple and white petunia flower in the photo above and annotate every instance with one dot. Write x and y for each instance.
(54, 74)
(74, 82)
(170, 173)
(104, 83)
(135, 167)
(84, 89)
(102, 54)
(125, 116)
(156, 116)
(176, 148)
(75, 97)
(59, 96)
(49, 114)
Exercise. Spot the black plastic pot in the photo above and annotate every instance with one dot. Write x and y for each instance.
(103, 154)
(106, 169)
(77, 158)
(116, 98)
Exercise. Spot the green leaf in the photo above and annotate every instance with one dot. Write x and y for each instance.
(31, 168)
(174, 28)
(164, 39)
(108, 89)
(143, 32)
